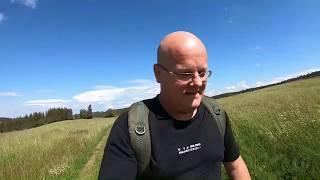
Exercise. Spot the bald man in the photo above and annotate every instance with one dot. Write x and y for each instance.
(185, 142)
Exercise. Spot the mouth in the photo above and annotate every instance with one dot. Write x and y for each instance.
(192, 92)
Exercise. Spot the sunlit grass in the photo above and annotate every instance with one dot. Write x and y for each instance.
(92, 172)
(57, 150)
(278, 129)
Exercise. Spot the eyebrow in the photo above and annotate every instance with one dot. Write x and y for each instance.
(190, 70)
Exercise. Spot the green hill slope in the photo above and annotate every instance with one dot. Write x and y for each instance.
(55, 151)
(278, 129)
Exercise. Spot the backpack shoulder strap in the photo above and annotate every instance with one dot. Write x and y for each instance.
(138, 126)
(217, 112)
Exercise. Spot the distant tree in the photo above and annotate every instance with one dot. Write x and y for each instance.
(83, 114)
(36, 119)
(110, 113)
(76, 116)
(89, 115)
(69, 114)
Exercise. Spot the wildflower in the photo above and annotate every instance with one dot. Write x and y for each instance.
(58, 170)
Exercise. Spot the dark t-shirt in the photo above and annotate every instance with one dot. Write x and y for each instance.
(190, 149)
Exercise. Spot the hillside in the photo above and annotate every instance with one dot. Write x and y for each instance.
(5, 119)
(278, 129)
(307, 76)
(58, 150)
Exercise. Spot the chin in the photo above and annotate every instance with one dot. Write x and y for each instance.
(190, 102)
(196, 101)
(196, 104)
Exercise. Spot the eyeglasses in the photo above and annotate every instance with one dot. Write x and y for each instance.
(188, 76)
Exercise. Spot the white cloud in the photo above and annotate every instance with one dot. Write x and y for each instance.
(259, 83)
(243, 85)
(238, 87)
(118, 105)
(99, 95)
(29, 3)
(258, 65)
(118, 97)
(9, 94)
(212, 92)
(47, 102)
(2, 17)
(294, 75)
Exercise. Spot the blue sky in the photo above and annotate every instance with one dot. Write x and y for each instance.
(56, 53)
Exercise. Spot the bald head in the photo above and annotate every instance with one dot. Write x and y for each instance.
(178, 44)
(179, 55)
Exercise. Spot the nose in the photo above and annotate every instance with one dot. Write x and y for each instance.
(196, 80)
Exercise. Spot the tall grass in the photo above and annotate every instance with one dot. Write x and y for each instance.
(278, 129)
(92, 171)
(54, 151)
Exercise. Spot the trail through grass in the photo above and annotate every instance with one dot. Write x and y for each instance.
(91, 169)
(277, 128)
(54, 151)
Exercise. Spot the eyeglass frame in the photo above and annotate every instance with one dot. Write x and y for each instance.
(206, 73)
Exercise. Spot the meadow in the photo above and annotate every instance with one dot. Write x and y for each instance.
(277, 129)
(61, 150)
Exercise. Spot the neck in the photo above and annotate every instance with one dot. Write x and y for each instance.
(174, 112)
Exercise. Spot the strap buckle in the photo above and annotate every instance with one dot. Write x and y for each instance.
(217, 111)
(140, 130)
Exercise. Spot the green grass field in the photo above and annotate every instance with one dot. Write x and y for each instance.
(277, 128)
(59, 150)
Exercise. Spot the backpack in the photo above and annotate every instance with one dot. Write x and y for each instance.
(138, 126)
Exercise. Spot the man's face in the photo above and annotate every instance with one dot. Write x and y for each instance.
(184, 96)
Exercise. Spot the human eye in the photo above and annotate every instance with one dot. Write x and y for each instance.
(202, 74)
(185, 76)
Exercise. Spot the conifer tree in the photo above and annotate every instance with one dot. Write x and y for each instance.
(89, 116)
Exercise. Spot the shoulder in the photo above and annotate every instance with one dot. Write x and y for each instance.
(151, 103)
(211, 102)
(122, 120)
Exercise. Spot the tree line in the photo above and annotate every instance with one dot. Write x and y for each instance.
(53, 115)
(86, 114)
(36, 119)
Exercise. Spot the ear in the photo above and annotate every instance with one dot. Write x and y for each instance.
(156, 71)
